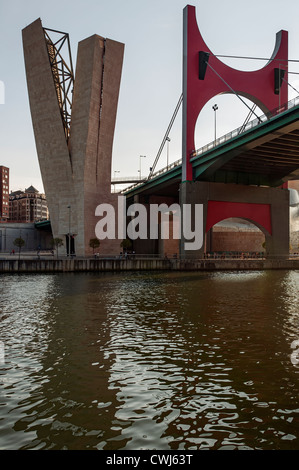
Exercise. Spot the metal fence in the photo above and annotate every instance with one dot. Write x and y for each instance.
(225, 138)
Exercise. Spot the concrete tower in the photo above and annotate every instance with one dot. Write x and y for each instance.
(74, 121)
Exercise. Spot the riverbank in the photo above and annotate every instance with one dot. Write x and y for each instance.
(141, 264)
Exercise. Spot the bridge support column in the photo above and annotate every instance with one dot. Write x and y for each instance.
(192, 193)
(278, 245)
(267, 208)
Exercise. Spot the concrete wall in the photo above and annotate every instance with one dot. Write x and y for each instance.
(33, 238)
(162, 247)
(119, 265)
(294, 216)
(51, 145)
(95, 98)
(243, 240)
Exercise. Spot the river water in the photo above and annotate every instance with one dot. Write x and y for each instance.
(136, 361)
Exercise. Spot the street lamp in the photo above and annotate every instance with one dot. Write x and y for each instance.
(141, 156)
(115, 171)
(168, 140)
(69, 237)
(215, 107)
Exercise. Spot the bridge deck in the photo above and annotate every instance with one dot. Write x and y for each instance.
(266, 154)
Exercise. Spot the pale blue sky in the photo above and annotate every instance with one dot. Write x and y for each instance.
(152, 72)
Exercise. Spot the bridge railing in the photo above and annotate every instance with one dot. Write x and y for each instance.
(230, 135)
(225, 255)
(128, 179)
(157, 173)
(250, 125)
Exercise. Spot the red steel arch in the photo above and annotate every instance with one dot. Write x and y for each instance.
(259, 214)
(258, 85)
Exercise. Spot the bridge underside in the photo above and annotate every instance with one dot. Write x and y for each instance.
(265, 156)
(268, 164)
(265, 207)
(241, 176)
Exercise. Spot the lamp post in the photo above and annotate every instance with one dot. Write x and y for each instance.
(69, 236)
(168, 140)
(215, 107)
(141, 156)
(115, 171)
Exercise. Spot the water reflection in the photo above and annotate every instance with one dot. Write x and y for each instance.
(149, 361)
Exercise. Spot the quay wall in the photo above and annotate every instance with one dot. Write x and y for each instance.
(120, 265)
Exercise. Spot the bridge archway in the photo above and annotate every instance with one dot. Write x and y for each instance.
(257, 214)
(267, 208)
(237, 237)
(230, 115)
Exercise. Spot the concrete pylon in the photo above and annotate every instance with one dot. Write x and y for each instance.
(76, 171)
(267, 208)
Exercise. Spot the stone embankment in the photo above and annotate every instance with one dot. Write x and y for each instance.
(141, 264)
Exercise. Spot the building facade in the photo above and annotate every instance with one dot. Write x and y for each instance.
(28, 206)
(4, 193)
(35, 238)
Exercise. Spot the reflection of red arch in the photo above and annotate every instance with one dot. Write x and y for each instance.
(257, 213)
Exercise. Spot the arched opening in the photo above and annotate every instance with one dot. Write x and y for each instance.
(237, 229)
(236, 238)
(230, 115)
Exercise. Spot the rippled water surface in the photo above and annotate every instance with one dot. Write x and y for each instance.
(149, 361)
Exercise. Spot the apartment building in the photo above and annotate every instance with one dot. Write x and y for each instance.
(4, 193)
(28, 206)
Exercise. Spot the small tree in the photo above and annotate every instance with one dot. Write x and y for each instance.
(94, 243)
(19, 242)
(126, 244)
(57, 242)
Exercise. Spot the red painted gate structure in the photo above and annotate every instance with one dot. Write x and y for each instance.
(258, 86)
(205, 76)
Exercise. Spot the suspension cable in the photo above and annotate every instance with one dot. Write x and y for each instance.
(255, 58)
(241, 129)
(166, 136)
(291, 86)
(250, 109)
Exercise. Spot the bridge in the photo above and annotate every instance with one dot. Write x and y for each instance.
(243, 174)
(128, 179)
(263, 153)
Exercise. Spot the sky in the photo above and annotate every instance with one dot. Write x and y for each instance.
(151, 83)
